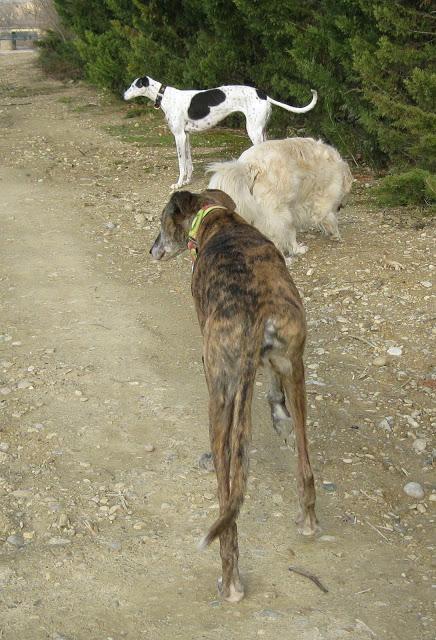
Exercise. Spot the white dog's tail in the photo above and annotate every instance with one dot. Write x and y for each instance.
(236, 178)
(308, 107)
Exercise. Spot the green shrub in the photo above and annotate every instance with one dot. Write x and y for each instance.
(411, 187)
(59, 58)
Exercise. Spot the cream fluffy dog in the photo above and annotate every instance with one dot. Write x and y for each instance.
(283, 186)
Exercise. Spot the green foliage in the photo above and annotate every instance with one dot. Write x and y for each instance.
(372, 62)
(416, 186)
(60, 58)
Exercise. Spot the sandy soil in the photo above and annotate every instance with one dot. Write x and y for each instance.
(101, 362)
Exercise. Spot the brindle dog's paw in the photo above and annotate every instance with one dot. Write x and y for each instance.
(307, 524)
(234, 593)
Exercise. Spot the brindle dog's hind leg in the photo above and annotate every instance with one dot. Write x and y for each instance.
(281, 418)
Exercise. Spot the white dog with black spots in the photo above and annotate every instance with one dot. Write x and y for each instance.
(187, 111)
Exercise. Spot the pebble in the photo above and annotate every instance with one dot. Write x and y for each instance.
(4, 446)
(58, 542)
(3, 457)
(414, 490)
(412, 422)
(327, 539)
(426, 283)
(419, 445)
(421, 508)
(24, 384)
(140, 218)
(16, 540)
(149, 447)
(380, 361)
(270, 613)
(22, 493)
(395, 351)
(330, 487)
(432, 497)
(386, 423)
(205, 462)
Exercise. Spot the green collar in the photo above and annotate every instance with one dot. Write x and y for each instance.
(201, 214)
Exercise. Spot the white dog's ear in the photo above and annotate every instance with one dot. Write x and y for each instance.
(142, 82)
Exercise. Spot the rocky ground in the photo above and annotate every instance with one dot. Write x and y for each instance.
(104, 406)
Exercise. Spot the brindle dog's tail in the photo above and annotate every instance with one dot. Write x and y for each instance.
(231, 462)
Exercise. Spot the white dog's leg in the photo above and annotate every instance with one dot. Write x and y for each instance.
(188, 161)
(330, 226)
(255, 133)
(295, 246)
(181, 141)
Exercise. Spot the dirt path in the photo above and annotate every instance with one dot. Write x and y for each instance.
(100, 360)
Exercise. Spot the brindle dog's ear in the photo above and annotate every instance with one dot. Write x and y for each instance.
(185, 202)
(220, 197)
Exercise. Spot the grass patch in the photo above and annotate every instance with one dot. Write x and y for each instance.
(66, 100)
(150, 132)
(12, 91)
(82, 108)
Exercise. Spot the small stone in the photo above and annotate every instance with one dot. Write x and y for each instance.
(380, 361)
(24, 384)
(205, 462)
(58, 542)
(395, 351)
(63, 520)
(414, 490)
(22, 493)
(419, 445)
(16, 540)
(412, 422)
(4, 446)
(426, 283)
(149, 448)
(386, 423)
(421, 508)
(327, 539)
(330, 487)
(347, 460)
(114, 545)
(270, 614)
(432, 497)
(3, 457)
(140, 218)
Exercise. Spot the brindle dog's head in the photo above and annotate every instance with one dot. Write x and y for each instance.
(177, 218)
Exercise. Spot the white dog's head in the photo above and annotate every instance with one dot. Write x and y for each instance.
(139, 87)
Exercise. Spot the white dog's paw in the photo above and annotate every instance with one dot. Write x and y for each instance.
(300, 249)
(179, 184)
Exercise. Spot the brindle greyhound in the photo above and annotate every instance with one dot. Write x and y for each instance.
(250, 313)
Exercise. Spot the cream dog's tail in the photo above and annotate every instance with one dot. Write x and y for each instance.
(308, 107)
(236, 178)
